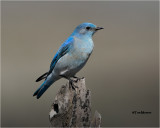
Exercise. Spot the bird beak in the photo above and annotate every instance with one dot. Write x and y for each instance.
(99, 28)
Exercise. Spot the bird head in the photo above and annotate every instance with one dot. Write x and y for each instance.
(86, 29)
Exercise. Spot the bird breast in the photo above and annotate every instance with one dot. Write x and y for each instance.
(82, 49)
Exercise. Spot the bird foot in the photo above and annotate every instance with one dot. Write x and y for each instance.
(73, 80)
(77, 78)
(71, 85)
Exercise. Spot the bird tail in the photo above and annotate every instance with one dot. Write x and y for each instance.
(39, 92)
(42, 77)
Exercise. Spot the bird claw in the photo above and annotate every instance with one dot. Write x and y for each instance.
(72, 85)
(77, 78)
(74, 80)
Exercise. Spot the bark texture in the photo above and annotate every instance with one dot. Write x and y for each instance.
(72, 107)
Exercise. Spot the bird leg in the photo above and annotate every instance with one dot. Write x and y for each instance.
(77, 78)
(71, 81)
(71, 84)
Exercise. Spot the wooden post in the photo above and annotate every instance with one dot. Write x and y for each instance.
(72, 107)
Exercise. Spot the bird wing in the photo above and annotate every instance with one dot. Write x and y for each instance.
(65, 47)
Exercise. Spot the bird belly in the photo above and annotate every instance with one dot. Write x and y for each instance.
(71, 63)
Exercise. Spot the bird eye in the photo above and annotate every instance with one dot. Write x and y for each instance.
(88, 28)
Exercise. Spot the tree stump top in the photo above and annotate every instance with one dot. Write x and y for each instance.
(72, 107)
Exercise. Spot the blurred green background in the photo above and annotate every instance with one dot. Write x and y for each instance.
(122, 72)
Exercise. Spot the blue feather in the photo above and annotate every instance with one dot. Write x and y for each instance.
(65, 47)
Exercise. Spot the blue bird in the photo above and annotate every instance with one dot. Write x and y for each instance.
(71, 56)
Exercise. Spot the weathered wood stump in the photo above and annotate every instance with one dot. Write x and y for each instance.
(72, 107)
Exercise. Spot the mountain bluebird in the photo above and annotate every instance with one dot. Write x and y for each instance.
(71, 56)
